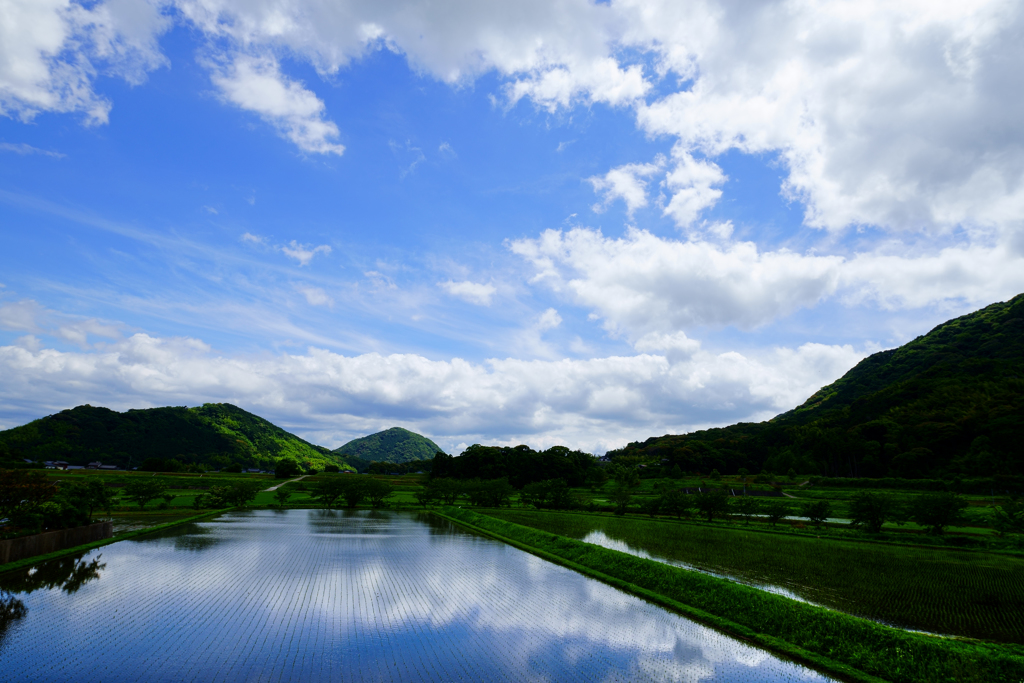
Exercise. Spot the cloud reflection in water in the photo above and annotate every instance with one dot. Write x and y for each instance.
(325, 596)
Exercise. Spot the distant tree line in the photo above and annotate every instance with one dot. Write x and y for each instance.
(352, 490)
(31, 502)
(410, 467)
(519, 465)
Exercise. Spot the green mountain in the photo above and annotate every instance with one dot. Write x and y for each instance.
(948, 403)
(214, 434)
(394, 445)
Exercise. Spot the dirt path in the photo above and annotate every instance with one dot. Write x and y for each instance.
(274, 488)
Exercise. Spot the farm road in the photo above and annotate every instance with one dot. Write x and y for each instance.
(274, 488)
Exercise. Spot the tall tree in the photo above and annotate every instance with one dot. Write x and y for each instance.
(142, 490)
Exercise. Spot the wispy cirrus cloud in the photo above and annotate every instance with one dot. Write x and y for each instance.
(315, 296)
(23, 149)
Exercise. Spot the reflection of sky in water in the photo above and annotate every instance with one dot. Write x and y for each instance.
(309, 596)
(599, 537)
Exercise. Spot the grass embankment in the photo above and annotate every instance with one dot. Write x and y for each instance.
(29, 561)
(972, 594)
(841, 644)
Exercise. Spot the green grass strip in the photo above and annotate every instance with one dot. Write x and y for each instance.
(840, 644)
(36, 559)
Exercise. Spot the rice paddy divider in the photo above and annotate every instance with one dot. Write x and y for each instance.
(29, 561)
(845, 646)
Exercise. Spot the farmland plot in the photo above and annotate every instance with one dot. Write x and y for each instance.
(307, 595)
(973, 594)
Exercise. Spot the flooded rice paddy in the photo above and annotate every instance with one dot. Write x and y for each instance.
(306, 595)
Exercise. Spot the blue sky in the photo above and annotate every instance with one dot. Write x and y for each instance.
(551, 223)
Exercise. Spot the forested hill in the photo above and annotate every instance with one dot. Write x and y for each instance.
(215, 434)
(949, 403)
(395, 445)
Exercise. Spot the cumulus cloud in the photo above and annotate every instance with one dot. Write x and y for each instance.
(675, 345)
(256, 84)
(691, 183)
(901, 115)
(551, 52)
(52, 50)
(890, 114)
(642, 283)
(628, 183)
(478, 293)
(594, 403)
(974, 274)
(549, 320)
(304, 253)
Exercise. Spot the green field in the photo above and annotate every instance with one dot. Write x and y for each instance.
(828, 638)
(964, 593)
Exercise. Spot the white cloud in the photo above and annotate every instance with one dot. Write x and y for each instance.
(256, 84)
(23, 149)
(253, 239)
(594, 404)
(315, 296)
(903, 115)
(22, 316)
(691, 184)
(28, 316)
(594, 80)
(552, 52)
(303, 253)
(642, 283)
(893, 114)
(478, 293)
(52, 50)
(408, 155)
(549, 320)
(675, 345)
(380, 281)
(973, 274)
(29, 342)
(628, 183)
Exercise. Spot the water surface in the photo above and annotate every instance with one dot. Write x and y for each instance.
(306, 595)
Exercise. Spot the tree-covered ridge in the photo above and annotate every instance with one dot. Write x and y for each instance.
(215, 434)
(948, 403)
(395, 445)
